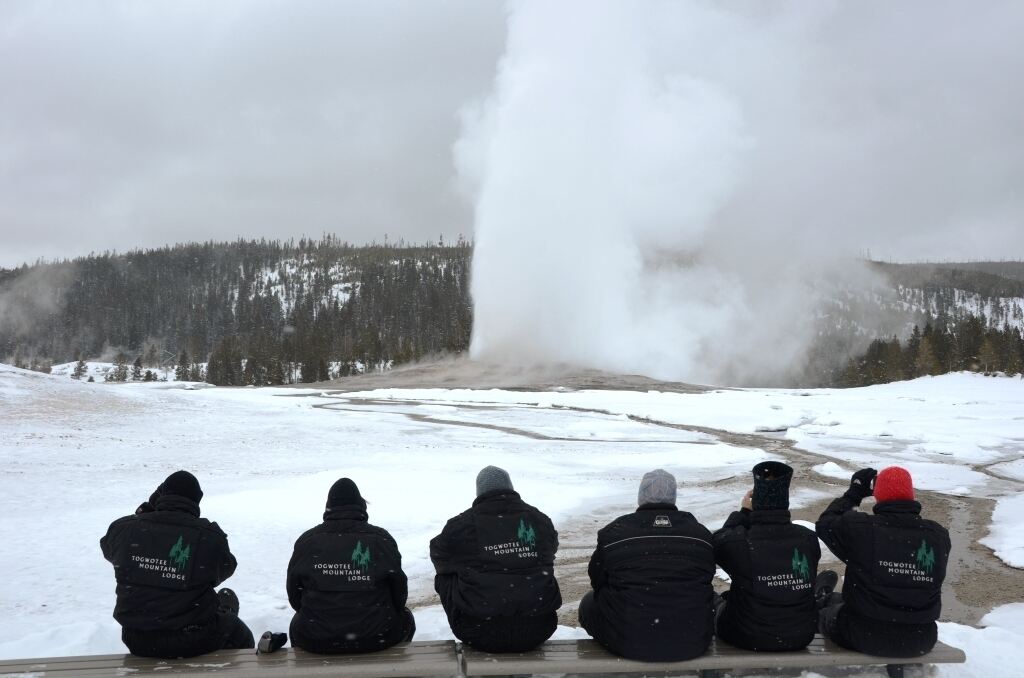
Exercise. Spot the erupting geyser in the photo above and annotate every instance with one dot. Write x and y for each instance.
(657, 189)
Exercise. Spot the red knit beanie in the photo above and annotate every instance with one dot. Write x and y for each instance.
(894, 484)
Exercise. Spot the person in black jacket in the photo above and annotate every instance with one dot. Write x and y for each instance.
(773, 565)
(167, 561)
(895, 565)
(651, 574)
(345, 582)
(495, 569)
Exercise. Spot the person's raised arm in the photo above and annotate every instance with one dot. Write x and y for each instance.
(830, 525)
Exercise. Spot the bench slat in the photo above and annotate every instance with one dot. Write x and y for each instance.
(420, 646)
(433, 658)
(587, 656)
(440, 658)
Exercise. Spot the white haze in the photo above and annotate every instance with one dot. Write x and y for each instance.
(658, 188)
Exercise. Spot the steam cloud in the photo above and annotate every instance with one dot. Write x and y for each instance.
(659, 188)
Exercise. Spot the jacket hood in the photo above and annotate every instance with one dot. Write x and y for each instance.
(349, 512)
(495, 494)
(901, 506)
(174, 502)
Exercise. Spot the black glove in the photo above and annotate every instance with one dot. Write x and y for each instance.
(862, 484)
(150, 505)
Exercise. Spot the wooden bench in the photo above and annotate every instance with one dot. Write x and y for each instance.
(588, 657)
(446, 658)
(430, 658)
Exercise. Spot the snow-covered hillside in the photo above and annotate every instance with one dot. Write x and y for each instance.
(997, 311)
(99, 370)
(75, 456)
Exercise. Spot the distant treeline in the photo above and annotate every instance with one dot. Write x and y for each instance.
(987, 278)
(271, 312)
(260, 312)
(938, 348)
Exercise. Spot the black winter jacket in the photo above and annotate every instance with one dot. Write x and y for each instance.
(167, 563)
(651, 574)
(345, 580)
(895, 559)
(496, 559)
(773, 565)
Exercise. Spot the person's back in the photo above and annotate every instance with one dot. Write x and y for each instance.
(651, 573)
(167, 561)
(895, 566)
(345, 582)
(772, 564)
(495, 570)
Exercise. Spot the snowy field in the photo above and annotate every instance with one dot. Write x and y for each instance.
(75, 456)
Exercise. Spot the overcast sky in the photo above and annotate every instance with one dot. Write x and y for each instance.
(134, 124)
(130, 124)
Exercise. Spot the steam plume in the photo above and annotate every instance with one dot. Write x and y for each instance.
(658, 187)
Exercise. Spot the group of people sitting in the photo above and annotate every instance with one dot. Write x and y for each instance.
(651, 574)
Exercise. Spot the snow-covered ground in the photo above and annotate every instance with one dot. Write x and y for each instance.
(75, 456)
(99, 370)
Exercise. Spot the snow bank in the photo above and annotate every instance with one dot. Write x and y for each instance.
(993, 651)
(1006, 534)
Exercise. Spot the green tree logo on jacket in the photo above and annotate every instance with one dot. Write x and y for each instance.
(180, 553)
(525, 534)
(801, 568)
(925, 556)
(361, 557)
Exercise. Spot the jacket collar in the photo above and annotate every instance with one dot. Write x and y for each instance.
(769, 516)
(347, 512)
(657, 507)
(897, 507)
(174, 502)
(496, 494)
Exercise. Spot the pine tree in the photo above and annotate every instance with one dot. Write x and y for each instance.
(1015, 363)
(80, 369)
(181, 372)
(927, 363)
(988, 356)
(894, 360)
(137, 369)
(910, 354)
(120, 371)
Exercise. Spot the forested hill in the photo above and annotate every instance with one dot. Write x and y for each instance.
(312, 308)
(268, 312)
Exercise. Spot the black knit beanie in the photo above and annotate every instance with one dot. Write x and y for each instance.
(344, 493)
(771, 486)
(183, 484)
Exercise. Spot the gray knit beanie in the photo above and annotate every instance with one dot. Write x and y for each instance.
(657, 487)
(492, 478)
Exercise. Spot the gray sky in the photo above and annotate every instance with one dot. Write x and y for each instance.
(129, 124)
(133, 124)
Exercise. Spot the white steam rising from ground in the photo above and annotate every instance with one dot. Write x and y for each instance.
(659, 187)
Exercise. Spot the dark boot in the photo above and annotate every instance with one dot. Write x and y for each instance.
(271, 642)
(824, 586)
(227, 601)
